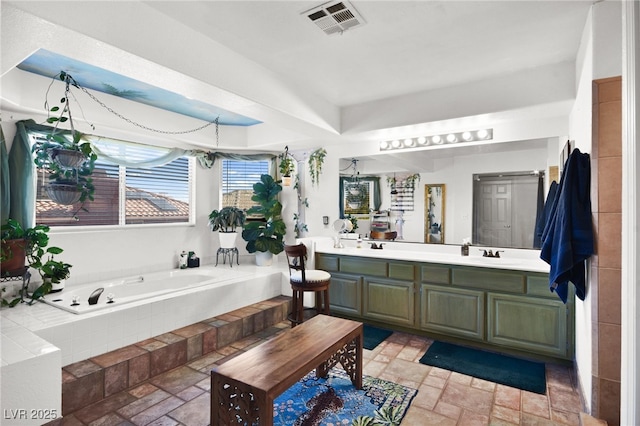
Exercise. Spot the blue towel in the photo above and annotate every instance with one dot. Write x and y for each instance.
(541, 220)
(567, 240)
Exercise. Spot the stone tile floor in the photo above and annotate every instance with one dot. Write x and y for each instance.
(181, 396)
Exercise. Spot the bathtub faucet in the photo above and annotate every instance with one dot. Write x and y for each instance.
(93, 299)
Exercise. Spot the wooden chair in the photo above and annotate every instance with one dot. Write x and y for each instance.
(305, 280)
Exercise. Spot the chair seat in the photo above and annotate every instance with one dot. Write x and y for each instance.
(313, 276)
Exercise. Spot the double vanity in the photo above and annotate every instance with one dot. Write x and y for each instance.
(502, 304)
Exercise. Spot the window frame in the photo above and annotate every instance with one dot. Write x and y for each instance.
(122, 170)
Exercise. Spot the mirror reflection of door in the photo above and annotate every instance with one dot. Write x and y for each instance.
(504, 209)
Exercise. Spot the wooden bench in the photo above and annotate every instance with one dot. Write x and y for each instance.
(243, 388)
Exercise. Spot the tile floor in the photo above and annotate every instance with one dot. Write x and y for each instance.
(181, 396)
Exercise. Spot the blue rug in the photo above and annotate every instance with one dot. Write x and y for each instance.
(335, 401)
(373, 336)
(497, 368)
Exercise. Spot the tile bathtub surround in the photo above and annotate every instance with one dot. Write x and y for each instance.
(181, 396)
(92, 380)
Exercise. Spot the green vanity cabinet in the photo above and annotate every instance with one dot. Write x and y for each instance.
(453, 311)
(530, 324)
(390, 301)
(499, 308)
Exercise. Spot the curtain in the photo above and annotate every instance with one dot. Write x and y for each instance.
(21, 175)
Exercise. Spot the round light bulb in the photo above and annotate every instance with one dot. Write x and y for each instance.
(482, 134)
(436, 139)
(395, 143)
(451, 138)
(466, 136)
(408, 142)
(384, 145)
(422, 140)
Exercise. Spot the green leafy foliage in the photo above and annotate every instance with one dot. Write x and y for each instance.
(227, 219)
(316, 160)
(36, 246)
(266, 234)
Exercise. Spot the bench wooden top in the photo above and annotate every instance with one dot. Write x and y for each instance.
(272, 366)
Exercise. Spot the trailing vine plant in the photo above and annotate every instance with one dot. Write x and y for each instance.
(316, 160)
(300, 227)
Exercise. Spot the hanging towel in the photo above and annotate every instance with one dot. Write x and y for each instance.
(567, 240)
(542, 218)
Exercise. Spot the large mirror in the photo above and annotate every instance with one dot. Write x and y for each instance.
(458, 168)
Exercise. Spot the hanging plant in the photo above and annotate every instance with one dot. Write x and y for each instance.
(316, 160)
(410, 181)
(66, 155)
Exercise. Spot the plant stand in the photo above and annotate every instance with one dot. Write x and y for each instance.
(23, 274)
(228, 253)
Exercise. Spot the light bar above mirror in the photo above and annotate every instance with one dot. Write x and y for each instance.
(446, 138)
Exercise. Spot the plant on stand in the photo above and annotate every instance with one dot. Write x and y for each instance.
(265, 236)
(67, 156)
(23, 248)
(226, 221)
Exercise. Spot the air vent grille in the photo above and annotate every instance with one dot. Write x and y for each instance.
(334, 17)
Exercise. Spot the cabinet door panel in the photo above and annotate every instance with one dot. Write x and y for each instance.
(537, 325)
(345, 294)
(452, 311)
(356, 265)
(402, 271)
(327, 263)
(390, 301)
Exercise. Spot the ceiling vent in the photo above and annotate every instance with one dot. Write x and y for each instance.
(335, 17)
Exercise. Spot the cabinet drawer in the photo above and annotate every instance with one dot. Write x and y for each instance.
(527, 323)
(452, 311)
(354, 265)
(327, 263)
(345, 294)
(539, 286)
(511, 282)
(436, 274)
(401, 271)
(389, 301)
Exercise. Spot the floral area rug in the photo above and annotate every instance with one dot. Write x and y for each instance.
(335, 401)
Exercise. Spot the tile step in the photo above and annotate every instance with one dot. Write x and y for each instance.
(89, 381)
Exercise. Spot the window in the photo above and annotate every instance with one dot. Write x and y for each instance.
(124, 195)
(238, 178)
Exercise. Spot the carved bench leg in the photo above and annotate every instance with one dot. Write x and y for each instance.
(350, 357)
(233, 403)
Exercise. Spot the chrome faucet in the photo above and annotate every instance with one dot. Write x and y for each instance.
(375, 246)
(490, 253)
(93, 299)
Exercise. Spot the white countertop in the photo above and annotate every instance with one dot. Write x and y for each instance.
(510, 259)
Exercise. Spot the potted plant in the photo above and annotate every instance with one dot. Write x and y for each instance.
(225, 221)
(67, 156)
(55, 273)
(316, 160)
(287, 167)
(265, 237)
(25, 247)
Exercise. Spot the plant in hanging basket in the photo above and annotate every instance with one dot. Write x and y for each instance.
(66, 155)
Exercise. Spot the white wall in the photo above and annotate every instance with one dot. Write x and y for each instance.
(600, 56)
